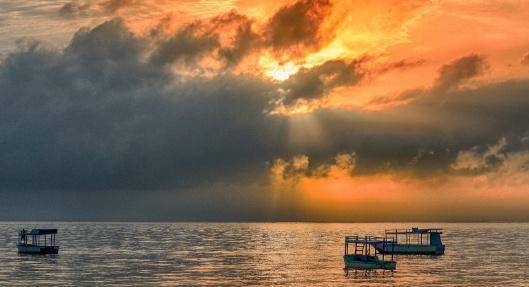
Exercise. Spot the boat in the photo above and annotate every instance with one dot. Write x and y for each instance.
(425, 241)
(42, 241)
(366, 256)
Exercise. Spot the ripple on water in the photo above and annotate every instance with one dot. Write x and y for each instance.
(238, 254)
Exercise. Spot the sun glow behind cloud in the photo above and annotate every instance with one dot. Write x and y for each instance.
(349, 30)
(419, 93)
(335, 192)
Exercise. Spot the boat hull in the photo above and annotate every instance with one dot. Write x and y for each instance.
(36, 249)
(411, 249)
(353, 262)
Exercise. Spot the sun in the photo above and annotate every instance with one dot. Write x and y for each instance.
(282, 72)
(276, 70)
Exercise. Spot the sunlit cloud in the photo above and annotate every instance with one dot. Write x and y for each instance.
(393, 107)
(334, 191)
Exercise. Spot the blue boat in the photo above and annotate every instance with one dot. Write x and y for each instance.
(425, 241)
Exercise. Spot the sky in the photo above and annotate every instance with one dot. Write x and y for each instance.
(244, 110)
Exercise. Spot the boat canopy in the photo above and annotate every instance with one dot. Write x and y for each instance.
(364, 244)
(365, 256)
(416, 236)
(42, 231)
(414, 230)
(369, 240)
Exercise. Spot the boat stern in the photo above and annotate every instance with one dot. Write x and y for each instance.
(36, 249)
(363, 262)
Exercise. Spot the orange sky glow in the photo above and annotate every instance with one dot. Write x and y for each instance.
(352, 82)
(405, 43)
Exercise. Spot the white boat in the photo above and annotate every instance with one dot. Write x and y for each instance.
(414, 241)
(365, 256)
(42, 241)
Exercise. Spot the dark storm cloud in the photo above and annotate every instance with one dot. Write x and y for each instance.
(97, 115)
(101, 115)
(317, 82)
(431, 126)
(298, 23)
(458, 71)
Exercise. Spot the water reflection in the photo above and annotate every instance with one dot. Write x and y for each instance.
(238, 254)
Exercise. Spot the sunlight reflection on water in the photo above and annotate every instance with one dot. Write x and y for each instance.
(238, 254)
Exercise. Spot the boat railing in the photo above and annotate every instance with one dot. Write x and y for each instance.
(419, 236)
(369, 245)
(37, 237)
(413, 231)
(372, 240)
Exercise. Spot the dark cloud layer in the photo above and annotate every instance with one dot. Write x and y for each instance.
(105, 121)
(96, 115)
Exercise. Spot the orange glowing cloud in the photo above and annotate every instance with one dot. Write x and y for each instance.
(277, 40)
(335, 192)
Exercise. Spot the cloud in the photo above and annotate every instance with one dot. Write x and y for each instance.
(389, 195)
(75, 9)
(225, 39)
(99, 115)
(113, 6)
(525, 60)
(458, 71)
(476, 160)
(315, 83)
(450, 77)
(245, 41)
(113, 111)
(97, 112)
(287, 173)
(297, 24)
(187, 45)
(84, 8)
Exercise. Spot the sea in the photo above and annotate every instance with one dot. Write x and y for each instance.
(257, 254)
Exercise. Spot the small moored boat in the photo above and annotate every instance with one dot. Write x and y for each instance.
(42, 241)
(425, 241)
(365, 256)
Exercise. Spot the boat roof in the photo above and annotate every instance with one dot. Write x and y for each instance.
(42, 231)
(371, 240)
(414, 230)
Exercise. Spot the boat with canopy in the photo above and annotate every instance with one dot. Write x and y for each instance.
(426, 241)
(360, 253)
(37, 241)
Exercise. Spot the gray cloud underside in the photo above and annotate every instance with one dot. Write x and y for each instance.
(297, 24)
(99, 115)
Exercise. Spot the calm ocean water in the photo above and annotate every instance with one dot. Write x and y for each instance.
(264, 254)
